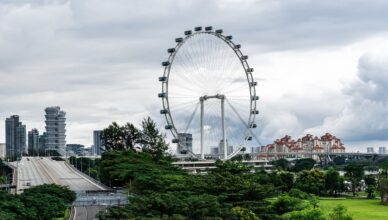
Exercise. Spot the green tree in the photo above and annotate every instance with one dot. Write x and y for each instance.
(281, 164)
(305, 214)
(60, 192)
(354, 173)
(153, 141)
(370, 182)
(333, 181)
(283, 204)
(117, 137)
(383, 188)
(304, 164)
(287, 180)
(244, 214)
(311, 181)
(339, 213)
(47, 206)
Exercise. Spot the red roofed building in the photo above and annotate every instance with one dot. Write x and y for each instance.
(309, 143)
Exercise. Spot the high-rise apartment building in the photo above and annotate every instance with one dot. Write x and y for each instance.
(33, 142)
(370, 150)
(42, 143)
(382, 150)
(98, 144)
(55, 130)
(15, 137)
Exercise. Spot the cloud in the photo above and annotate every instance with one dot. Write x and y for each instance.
(364, 117)
(99, 60)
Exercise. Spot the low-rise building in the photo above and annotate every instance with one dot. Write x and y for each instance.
(325, 144)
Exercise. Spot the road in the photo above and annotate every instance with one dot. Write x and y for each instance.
(86, 212)
(34, 171)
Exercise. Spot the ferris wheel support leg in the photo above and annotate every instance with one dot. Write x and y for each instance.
(223, 128)
(202, 113)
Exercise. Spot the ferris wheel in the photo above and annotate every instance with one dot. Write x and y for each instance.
(209, 95)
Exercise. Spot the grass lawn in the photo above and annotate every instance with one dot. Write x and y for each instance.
(359, 209)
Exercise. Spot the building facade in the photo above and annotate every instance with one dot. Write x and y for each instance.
(325, 144)
(55, 130)
(15, 137)
(185, 142)
(33, 142)
(382, 150)
(42, 143)
(370, 150)
(98, 144)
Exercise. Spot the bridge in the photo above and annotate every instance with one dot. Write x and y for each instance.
(92, 196)
(33, 171)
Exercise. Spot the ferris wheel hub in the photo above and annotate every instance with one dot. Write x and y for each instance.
(206, 97)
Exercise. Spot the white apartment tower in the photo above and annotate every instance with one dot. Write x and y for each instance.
(55, 129)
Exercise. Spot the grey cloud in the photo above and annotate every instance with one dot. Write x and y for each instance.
(365, 116)
(100, 60)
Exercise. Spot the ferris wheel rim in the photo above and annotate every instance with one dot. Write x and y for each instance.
(244, 63)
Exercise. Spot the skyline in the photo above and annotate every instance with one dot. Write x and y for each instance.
(321, 67)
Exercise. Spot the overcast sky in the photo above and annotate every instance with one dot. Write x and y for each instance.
(321, 65)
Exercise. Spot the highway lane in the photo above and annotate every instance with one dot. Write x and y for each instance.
(86, 212)
(34, 171)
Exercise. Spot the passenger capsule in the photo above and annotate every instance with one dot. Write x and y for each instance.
(162, 95)
(228, 37)
(256, 112)
(179, 40)
(250, 70)
(163, 111)
(188, 32)
(162, 79)
(171, 50)
(208, 28)
(168, 127)
(253, 83)
(244, 57)
(198, 28)
(237, 46)
(253, 125)
(175, 141)
(166, 63)
(219, 31)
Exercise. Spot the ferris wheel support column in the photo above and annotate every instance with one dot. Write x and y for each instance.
(202, 114)
(223, 127)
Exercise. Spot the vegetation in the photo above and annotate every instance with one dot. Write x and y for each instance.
(40, 202)
(358, 209)
(128, 137)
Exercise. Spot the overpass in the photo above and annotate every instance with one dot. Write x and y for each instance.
(33, 171)
(91, 195)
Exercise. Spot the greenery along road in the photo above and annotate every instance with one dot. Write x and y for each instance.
(43, 202)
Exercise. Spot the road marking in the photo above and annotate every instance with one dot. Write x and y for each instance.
(75, 213)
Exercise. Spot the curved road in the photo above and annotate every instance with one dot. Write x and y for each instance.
(86, 212)
(34, 171)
